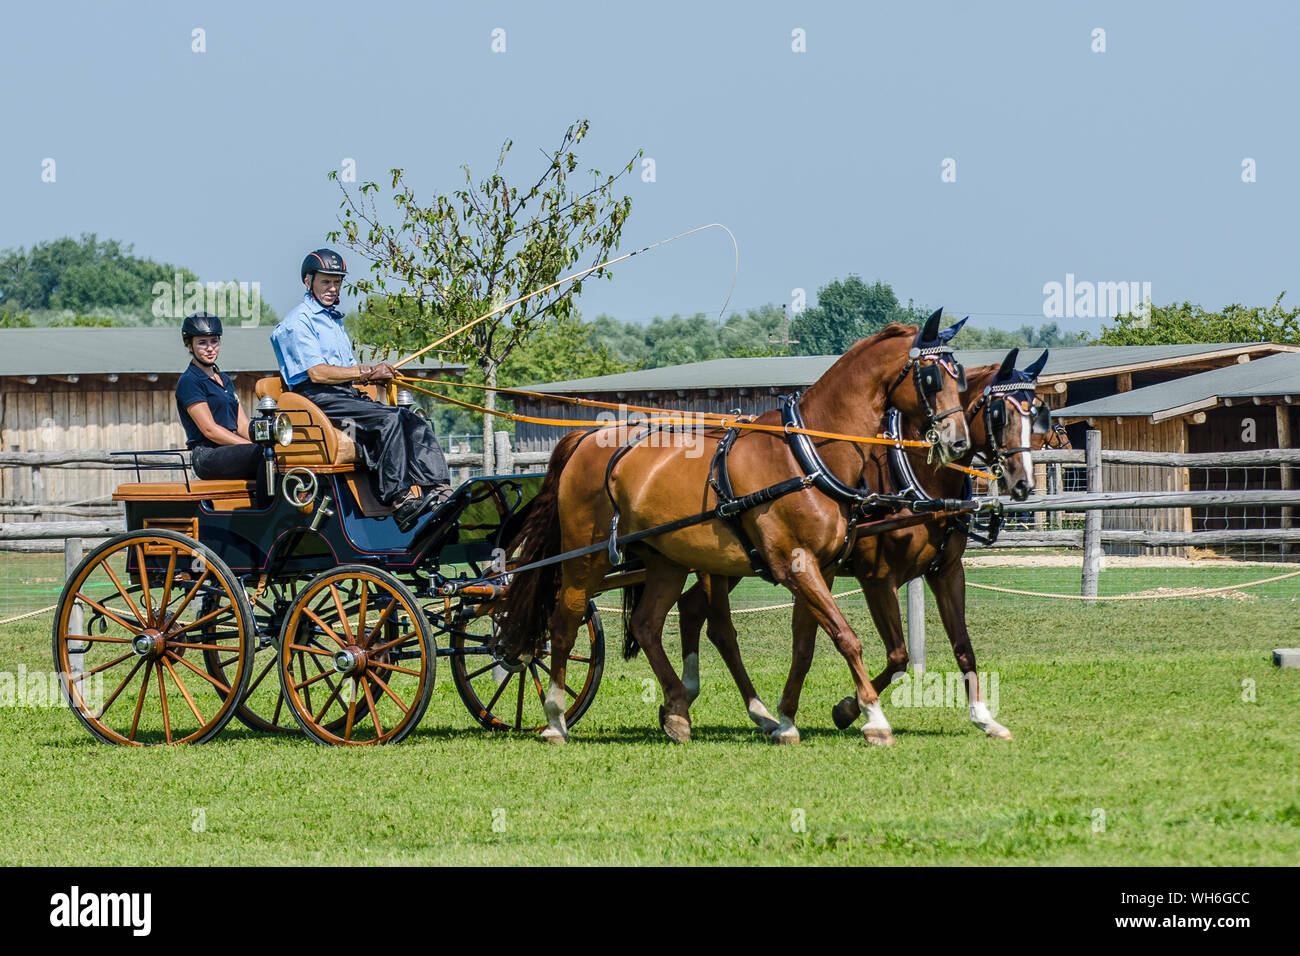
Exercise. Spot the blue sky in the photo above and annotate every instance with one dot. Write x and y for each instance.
(1115, 166)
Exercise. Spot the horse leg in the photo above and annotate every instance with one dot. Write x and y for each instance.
(663, 586)
(692, 609)
(949, 587)
(578, 583)
(882, 600)
(803, 629)
(816, 591)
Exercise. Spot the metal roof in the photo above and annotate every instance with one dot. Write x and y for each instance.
(98, 351)
(1063, 364)
(1266, 377)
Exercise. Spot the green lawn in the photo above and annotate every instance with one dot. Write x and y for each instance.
(1132, 710)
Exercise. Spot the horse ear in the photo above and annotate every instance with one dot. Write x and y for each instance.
(1008, 366)
(930, 332)
(951, 331)
(1035, 369)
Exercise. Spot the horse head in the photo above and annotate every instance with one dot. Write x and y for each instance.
(934, 399)
(1011, 415)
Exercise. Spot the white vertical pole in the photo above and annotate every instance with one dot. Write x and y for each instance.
(1092, 520)
(916, 624)
(76, 625)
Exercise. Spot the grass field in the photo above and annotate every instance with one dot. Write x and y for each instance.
(1133, 745)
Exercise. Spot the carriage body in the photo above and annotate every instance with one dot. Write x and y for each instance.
(294, 603)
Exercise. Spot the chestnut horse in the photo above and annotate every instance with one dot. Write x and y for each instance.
(595, 488)
(1003, 416)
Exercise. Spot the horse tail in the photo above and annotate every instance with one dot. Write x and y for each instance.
(532, 595)
(631, 598)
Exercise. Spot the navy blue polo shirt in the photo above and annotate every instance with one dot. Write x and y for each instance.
(223, 402)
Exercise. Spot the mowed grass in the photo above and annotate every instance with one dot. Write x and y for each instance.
(1129, 715)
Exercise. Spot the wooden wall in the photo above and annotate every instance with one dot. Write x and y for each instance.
(1137, 433)
(131, 414)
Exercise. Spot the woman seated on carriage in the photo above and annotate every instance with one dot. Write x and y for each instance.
(216, 428)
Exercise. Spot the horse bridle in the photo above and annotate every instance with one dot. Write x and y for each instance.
(925, 378)
(993, 428)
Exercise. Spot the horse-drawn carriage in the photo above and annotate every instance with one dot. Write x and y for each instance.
(293, 601)
(166, 632)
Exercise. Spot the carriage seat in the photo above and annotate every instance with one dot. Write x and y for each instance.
(317, 444)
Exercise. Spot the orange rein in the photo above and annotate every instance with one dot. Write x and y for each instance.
(669, 417)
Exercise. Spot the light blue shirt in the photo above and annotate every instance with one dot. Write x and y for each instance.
(310, 335)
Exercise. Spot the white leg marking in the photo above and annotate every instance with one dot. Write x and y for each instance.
(556, 731)
(760, 715)
(876, 730)
(691, 677)
(981, 718)
(785, 731)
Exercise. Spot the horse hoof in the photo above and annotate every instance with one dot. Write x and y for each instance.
(998, 732)
(845, 713)
(552, 736)
(788, 737)
(677, 728)
(877, 737)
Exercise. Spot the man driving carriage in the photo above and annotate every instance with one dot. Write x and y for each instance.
(316, 361)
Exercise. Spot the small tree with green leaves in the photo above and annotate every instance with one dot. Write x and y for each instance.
(444, 263)
(1187, 323)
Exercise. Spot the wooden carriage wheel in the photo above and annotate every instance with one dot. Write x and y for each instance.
(130, 632)
(356, 659)
(505, 695)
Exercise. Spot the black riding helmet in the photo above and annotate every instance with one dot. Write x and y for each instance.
(324, 260)
(200, 323)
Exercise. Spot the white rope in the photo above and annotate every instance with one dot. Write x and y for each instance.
(44, 610)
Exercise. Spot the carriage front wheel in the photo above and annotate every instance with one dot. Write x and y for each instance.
(130, 633)
(356, 658)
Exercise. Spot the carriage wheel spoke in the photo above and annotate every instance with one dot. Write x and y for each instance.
(361, 611)
(201, 647)
(327, 628)
(113, 696)
(309, 680)
(383, 618)
(228, 609)
(265, 670)
(139, 701)
(519, 706)
(98, 640)
(408, 636)
(188, 699)
(166, 597)
(130, 602)
(568, 690)
(206, 676)
(352, 713)
(486, 667)
(343, 615)
(102, 667)
(189, 596)
(394, 667)
(387, 690)
(162, 696)
(497, 696)
(334, 694)
(318, 651)
(144, 588)
(538, 685)
(370, 705)
(111, 616)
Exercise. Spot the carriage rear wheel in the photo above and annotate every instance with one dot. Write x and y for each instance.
(508, 695)
(356, 659)
(136, 619)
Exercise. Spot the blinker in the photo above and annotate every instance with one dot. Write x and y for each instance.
(1042, 419)
(931, 379)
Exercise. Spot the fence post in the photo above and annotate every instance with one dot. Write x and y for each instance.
(1092, 518)
(76, 650)
(916, 625)
(505, 459)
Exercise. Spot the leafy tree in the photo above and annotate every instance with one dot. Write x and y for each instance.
(459, 256)
(846, 311)
(1047, 336)
(1186, 323)
(12, 319)
(81, 276)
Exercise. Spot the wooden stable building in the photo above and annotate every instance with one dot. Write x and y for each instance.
(106, 389)
(1242, 407)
